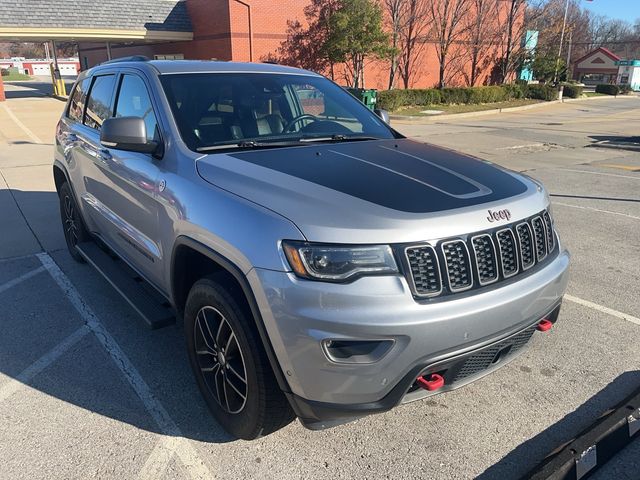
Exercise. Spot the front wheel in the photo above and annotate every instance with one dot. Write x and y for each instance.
(230, 364)
(72, 224)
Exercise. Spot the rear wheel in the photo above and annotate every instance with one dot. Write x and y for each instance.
(230, 364)
(72, 224)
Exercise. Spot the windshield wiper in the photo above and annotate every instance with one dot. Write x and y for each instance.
(248, 144)
(339, 138)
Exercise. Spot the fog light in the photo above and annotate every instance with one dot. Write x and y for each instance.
(356, 351)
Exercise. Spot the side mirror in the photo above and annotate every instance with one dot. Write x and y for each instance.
(383, 114)
(126, 133)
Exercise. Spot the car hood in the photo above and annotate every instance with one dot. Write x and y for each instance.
(375, 191)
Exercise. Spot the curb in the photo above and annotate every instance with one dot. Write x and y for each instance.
(427, 119)
(596, 445)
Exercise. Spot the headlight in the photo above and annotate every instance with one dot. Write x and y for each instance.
(335, 263)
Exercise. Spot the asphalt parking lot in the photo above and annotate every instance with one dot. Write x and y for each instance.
(86, 390)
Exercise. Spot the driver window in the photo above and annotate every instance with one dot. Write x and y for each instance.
(134, 101)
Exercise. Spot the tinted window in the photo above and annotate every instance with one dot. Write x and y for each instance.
(134, 101)
(99, 103)
(224, 108)
(77, 100)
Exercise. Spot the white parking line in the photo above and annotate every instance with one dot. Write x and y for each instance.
(603, 309)
(596, 210)
(158, 462)
(42, 363)
(22, 126)
(20, 279)
(600, 173)
(196, 467)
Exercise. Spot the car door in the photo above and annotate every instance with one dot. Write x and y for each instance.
(121, 185)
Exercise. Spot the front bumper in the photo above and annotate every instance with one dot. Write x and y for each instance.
(299, 315)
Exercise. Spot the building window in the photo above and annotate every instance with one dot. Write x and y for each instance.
(174, 56)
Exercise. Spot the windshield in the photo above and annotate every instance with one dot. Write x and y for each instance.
(217, 109)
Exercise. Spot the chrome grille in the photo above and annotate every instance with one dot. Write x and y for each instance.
(425, 272)
(485, 258)
(457, 265)
(525, 243)
(508, 252)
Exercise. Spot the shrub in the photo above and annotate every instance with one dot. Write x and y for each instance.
(393, 99)
(515, 90)
(572, 91)
(607, 89)
(4, 72)
(541, 92)
(624, 88)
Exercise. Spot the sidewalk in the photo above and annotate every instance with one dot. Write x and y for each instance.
(28, 199)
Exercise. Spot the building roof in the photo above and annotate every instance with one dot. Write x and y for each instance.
(606, 51)
(129, 15)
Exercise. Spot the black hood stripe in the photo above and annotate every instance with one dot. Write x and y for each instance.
(399, 174)
(481, 190)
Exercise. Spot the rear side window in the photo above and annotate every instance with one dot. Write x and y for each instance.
(76, 106)
(134, 101)
(99, 102)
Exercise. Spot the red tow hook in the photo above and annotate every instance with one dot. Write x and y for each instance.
(434, 382)
(544, 325)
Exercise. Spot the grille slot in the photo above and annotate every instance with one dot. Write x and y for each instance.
(486, 259)
(540, 237)
(525, 242)
(508, 252)
(458, 265)
(425, 271)
(551, 243)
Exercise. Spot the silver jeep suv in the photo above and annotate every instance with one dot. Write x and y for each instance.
(324, 266)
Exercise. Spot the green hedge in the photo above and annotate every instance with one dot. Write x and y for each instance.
(624, 89)
(394, 99)
(607, 89)
(572, 91)
(541, 92)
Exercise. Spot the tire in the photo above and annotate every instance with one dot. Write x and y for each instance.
(72, 224)
(229, 362)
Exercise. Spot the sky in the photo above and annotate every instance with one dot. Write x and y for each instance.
(623, 9)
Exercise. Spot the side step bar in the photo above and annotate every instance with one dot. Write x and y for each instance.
(127, 283)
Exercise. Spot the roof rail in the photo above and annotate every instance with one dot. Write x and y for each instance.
(132, 58)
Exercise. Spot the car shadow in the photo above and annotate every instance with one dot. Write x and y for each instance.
(86, 375)
(525, 456)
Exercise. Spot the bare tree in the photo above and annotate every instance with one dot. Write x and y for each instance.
(448, 28)
(483, 35)
(415, 24)
(394, 10)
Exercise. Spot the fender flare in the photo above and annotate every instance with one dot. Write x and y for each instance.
(241, 278)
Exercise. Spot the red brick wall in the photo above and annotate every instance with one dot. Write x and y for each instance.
(269, 25)
(221, 31)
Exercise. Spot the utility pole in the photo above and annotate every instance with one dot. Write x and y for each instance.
(569, 54)
(564, 25)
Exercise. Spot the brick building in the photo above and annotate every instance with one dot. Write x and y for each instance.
(238, 30)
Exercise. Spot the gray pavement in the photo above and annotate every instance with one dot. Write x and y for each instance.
(87, 391)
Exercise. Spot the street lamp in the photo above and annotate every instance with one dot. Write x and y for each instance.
(564, 26)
